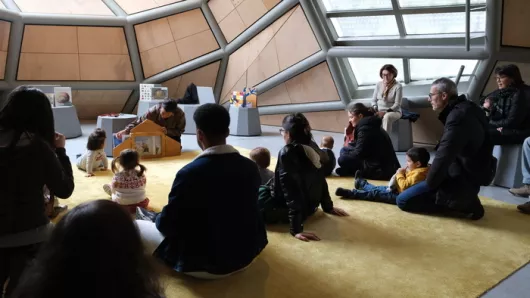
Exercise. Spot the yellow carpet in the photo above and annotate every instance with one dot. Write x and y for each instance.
(379, 251)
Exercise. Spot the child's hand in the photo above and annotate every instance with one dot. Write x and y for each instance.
(339, 212)
(401, 171)
(306, 236)
(89, 175)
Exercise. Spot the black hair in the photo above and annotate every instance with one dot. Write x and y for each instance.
(511, 71)
(29, 110)
(390, 68)
(261, 156)
(94, 251)
(96, 139)
(213, 120)
(298, 128)
(419, 154)
(170, 105)
(360, 109)
(129, 159)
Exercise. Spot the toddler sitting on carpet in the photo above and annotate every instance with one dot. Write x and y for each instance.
(262, 157)
(326, 145)
(417, 165)
(128, 185)
(94, 158)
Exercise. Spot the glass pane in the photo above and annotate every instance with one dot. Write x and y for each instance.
(357, 4)
(366, 70)
(440, 23)
(365, 26)
(434, 3)
(431, 69)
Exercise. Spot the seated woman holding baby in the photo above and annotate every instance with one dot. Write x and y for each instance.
(371, 150)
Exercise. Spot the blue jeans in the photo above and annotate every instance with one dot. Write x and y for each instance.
(115, 141)
(370, 192)
(525, 161)
(417, 198)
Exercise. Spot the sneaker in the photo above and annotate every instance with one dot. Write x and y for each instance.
(144, 214)
(107, 189)
(359, 181)
(524, 208)
(343, 193)
(523, 191)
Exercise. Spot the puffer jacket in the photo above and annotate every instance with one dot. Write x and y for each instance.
(299, 186)
(510, 112)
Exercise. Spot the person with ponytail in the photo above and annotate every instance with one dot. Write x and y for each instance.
(128, 184)
(371, 154)
(299, 186)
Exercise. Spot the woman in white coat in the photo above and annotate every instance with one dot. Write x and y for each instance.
(387, 97)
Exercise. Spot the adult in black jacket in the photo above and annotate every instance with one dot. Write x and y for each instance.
(371, 151)
(462, 162)
(32, 156)
(299, 186)
(508, 108)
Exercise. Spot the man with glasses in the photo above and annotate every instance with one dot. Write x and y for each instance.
(462, 162)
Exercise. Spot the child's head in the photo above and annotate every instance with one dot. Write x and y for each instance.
(417, 158)
(327, 142)
(96, 140)
(261, 156)
(128, 160)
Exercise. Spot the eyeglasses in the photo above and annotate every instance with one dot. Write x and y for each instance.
(432, 94)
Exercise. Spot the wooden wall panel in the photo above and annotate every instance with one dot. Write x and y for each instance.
(92, 103)
(74, 53)
(85, 7)
(235, 16)
(5, 30)
(332, 121)
(492, 83)
(171, 41)
(3, 59)
(269, 52)
(204, 76)
(134, 6)
(514, 21)
(313, 85)
(428, 129)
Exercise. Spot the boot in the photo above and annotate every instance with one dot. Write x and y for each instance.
(523, 191)
(359, 181)
(524, 208)
(343, 193)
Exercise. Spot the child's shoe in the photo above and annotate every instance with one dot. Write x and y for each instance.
(344, 193)
(359, 181)
(107, 189)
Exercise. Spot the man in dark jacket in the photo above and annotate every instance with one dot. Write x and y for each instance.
(212, 228)
(463, 158)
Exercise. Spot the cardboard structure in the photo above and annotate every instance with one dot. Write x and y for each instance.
(149, 140)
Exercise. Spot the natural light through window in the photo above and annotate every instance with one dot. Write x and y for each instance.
(440, 23)
(430, 69)
(436, 3)
(332, 5)
(366, 26)
(366, 70)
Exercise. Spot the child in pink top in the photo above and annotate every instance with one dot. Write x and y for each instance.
(128, 185)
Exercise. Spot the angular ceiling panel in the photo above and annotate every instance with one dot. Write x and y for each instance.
(204, 76)
(234, 16)
(92, 103)
(5, 30)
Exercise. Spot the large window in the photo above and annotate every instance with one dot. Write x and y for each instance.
(366, 70)
(430, 69)
(441, 23)
(356, 4)
(366, 26)
(435, 3)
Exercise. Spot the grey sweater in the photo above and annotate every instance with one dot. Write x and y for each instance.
(393, 101)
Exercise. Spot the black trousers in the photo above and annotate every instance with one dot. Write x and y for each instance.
(13, 262)
(507, 137)
(176, 138)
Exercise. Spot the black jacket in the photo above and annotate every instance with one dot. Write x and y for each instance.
(373, 148)
(299, 186)
(463, 154)
(510, 113)
(24, 171)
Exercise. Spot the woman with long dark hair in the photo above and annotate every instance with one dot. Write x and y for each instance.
(32, 159)
(371, 152)
(508, 108)
(299, 185)
(94, 251)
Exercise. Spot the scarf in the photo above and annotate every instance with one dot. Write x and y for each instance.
(387, 88)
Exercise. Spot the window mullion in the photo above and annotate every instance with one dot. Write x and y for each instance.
(399, 18)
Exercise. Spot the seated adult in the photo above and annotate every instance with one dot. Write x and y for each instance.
(211, 226)
(462, 162)
(166, 114)
(387, 97)
(508, 108)
(524, 191)
(371, 151)
(32, 156)
(299, 184)
(94, 251)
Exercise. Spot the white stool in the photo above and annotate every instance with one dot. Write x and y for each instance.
(205, 95)
(66, 121)
(509, 173)
(112, 125)
(244, 121)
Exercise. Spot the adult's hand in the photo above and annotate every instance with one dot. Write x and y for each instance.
(60, 140)
(339, 212)
(306, 236)
(487, 104)
(164, 130)
(120, 134)
(380, 114)
(499, 129)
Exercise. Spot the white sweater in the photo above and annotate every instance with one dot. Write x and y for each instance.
(128, 188)
(92, 161)
(393, 100)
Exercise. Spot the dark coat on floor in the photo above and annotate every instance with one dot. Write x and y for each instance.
(212, 222)
(371, 152)
(463, 155)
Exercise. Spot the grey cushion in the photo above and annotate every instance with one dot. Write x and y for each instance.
(66, 121)
(508, 166)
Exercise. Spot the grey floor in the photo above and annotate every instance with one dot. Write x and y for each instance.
(516, 285)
